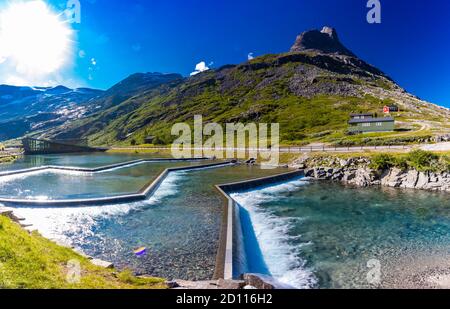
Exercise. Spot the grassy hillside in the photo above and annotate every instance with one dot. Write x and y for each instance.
(309, 93)
(31, 262)
(6, 157)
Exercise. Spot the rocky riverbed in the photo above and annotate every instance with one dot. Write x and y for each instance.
(356, 171)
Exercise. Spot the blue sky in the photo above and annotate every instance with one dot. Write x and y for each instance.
(117, 38)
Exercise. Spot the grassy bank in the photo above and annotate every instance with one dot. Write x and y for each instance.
(151, 151)
(420, 160)
(30, 261)
(7, 158)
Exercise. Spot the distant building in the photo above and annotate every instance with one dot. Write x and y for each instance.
(33, 146)
(149, 139)
(390, 109)
(365, 123)
(361, 116)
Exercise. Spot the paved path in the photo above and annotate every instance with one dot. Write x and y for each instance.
(302, 149)
(437, 147)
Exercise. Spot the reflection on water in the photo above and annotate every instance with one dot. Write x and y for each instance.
(70, 185)
(58, 184)
(79, 160)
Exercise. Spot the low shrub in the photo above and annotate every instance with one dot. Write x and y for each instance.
(382, 161)
(423, 160)
(401, 163)
(419, 160)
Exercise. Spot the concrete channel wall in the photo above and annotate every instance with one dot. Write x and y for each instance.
(231, 245)
(231, 249)
(94, 170)
(141, 195)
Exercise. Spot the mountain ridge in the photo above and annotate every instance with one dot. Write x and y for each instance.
(310, 91)
(31, 110)
(326, 40)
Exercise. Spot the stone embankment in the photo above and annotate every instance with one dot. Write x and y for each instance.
(356, 171)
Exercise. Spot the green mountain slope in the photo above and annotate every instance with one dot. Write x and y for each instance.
(310, 91)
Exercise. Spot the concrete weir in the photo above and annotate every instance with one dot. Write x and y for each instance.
(231, 254)
(141, 195)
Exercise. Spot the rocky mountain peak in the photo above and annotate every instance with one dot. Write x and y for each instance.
(324, 41)
(330, 31)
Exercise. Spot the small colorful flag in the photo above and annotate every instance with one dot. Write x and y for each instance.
(140, 251)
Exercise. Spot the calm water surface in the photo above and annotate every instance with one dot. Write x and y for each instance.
(53, 185)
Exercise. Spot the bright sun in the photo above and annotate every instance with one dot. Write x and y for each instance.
(34, 38)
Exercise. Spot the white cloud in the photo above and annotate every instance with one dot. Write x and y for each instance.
(250, 56)
(16, 81)
(200, 67)
(93, 61)
(136, 47)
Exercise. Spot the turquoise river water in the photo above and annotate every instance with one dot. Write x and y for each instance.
(304, 233)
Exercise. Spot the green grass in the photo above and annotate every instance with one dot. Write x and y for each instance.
(301, 120)
(8, 159)
(30, 261)
(420, 160)
(163, 153)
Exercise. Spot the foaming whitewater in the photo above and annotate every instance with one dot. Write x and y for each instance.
(280, 256)
(112, 169)
(62, 223)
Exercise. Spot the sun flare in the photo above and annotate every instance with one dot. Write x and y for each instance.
(34, 38)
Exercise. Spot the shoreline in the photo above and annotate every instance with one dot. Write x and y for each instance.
(358, 171)
(54, 266)
(8, 212)
(435, 276)
(147, 191)
(411, 269)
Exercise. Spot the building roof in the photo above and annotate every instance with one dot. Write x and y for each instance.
(356, 115)
(367, 120)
